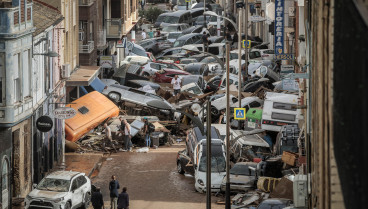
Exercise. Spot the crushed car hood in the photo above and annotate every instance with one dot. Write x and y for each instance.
(44, 194)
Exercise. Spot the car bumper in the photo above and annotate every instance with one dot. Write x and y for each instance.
(236, 188)
(44, 204)
(202, 189)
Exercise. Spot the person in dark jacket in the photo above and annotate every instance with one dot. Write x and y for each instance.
(113, 187)
(123, 200)
(97, 199)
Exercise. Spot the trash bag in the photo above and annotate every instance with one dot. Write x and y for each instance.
(144, 149)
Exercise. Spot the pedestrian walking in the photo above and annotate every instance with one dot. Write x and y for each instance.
(176, 84)
(127, 136)
(113, 187)
(108, 138)
(144, 34)
(147, 131)
(123, 200)
(235, 40)
(158, 32)
(142, 4)
(97, 199)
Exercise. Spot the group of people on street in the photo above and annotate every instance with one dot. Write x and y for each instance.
(125, 130)
(117, 201)
(151, 34)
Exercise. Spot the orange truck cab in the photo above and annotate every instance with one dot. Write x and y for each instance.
(92, 109)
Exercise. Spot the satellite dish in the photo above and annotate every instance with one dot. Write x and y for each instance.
(196, 108)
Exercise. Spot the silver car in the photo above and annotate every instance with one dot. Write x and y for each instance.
(242, 177)
(119, 93)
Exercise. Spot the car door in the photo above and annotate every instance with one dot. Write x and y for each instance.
(83, 186)
(77, 193)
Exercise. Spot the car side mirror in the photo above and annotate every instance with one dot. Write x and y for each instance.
(34, 186)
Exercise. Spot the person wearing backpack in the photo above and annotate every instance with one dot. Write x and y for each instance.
(147, 131)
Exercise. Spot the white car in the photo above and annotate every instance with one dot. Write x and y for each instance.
(151, 68)
(267, 54)
(138, 60)
(61, 190)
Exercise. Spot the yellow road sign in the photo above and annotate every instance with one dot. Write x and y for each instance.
(239, 113)
(249, 42)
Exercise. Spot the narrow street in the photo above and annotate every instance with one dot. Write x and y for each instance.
(152, 180)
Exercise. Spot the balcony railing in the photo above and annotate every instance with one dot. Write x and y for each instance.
(86, 2)
(87, 48)
(113, 28)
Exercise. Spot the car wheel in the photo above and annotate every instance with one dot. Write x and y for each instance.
(180, 169)
(145, 74)
(114, 96)
(67, 205)
(87, 200)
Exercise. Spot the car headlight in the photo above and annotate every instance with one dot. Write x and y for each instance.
(58, 199)
(200, 182)
(28, 197)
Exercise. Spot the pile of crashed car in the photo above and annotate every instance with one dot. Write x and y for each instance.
(267, 148)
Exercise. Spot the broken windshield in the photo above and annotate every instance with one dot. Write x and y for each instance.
(58, 185)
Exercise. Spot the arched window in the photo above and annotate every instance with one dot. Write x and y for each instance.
(5, 184)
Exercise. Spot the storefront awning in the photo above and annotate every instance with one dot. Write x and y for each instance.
(83, 76)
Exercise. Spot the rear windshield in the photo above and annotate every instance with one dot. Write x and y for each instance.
(171, 19)
(218, 163)
(283, 116)
(241, 169)
(284, 106)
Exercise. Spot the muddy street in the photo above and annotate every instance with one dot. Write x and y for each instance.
(152, 180)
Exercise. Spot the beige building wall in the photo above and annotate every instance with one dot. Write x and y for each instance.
(70, 11)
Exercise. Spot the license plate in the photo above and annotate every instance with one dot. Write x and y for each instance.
(251, 124)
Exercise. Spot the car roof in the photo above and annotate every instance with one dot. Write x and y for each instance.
(66, 175)
(178, 13)
(174, 70)
(214, 133)
(175, 24)
(186, 36)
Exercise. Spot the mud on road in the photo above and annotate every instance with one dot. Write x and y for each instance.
(152, 180)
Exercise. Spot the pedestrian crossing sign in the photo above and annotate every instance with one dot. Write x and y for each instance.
(248, 43)
(239, 113)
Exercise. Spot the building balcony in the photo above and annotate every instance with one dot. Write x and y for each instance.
(86, 2)
(113, 28)
(88, 48)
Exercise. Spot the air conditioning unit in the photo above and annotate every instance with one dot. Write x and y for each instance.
(300, 190)
(65, 71)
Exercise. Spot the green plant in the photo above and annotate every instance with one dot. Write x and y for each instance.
(152, 13)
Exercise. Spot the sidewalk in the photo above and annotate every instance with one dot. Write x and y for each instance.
(86, 163)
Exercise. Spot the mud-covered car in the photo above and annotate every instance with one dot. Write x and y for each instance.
(61, 190)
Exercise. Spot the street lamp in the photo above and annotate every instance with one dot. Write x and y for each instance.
(210, 13)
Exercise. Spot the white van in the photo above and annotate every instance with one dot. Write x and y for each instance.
(280, 109)
(192, 160)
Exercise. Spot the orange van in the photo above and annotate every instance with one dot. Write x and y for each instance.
(92, 109)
